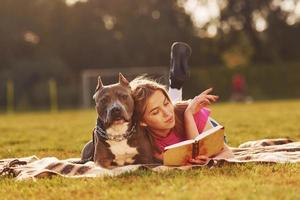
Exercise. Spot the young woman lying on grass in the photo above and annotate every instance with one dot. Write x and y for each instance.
(168, 123)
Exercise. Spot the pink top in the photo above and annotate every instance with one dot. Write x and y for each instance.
(173, 138)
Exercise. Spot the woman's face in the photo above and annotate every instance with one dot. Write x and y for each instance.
(159, 114)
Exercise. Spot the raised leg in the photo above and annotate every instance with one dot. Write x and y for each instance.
(179, 69)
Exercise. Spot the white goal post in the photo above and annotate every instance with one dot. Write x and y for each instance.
(89, 78)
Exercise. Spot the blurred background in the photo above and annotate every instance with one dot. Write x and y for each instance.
(51, 51)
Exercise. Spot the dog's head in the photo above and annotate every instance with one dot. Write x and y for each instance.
(114, 103)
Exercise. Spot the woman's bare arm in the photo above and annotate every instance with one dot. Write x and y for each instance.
(200, 101)
(190, 126)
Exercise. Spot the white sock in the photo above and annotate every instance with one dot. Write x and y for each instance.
(175, 94)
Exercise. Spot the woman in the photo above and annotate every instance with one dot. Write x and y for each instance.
(166, 123)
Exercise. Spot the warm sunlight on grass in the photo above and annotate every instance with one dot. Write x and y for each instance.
(63, 134)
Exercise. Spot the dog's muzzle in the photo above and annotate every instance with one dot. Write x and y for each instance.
(116, 115)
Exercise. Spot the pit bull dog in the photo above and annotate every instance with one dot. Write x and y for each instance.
(116, 138)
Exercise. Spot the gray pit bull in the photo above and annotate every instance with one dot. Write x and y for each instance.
(116, 138)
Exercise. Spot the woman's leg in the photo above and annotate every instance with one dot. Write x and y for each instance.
(179, 69)
(175, 94)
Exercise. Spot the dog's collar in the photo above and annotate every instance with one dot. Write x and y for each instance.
(102, 133)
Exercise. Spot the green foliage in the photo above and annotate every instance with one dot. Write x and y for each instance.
(240, 53)
(276, 42)
(47, 39)
(30, 79)
(63, 135)
(263, 81)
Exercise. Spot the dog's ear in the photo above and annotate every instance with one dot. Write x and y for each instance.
(122, 80)
(99, 85)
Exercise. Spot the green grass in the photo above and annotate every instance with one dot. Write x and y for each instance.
(63, 134)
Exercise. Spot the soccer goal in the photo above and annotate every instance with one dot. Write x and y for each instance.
(109, 76)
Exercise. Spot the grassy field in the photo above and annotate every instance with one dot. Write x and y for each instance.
(63, 134)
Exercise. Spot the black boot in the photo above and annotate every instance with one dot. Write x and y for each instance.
(179, 69)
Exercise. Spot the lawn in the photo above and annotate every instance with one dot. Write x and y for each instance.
(64, 133)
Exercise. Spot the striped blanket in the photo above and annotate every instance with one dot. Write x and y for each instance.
(261, 151)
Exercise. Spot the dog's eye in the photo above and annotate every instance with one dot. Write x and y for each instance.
(104, 100)
(124, 96)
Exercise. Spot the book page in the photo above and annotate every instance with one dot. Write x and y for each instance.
(186, 142)
(212, 144)
(209, 143)
(208, 132)
(178, 155)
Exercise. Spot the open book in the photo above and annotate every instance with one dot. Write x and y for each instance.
(208, 143)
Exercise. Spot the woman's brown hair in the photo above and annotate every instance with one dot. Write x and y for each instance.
(142, 89)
